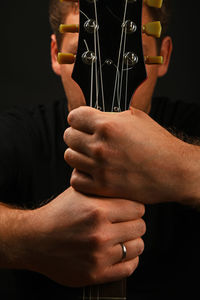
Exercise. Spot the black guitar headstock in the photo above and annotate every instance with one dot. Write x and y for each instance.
(109, 65)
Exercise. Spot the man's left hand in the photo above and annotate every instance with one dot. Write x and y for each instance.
(125, 155)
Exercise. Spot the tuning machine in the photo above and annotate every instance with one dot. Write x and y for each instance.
(154, 3)
(153, 29)
(73, 28)
(66, 58)
(153, 60)
(68, 0)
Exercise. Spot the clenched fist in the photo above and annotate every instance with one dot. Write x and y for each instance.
(75, 239)
(127, 155)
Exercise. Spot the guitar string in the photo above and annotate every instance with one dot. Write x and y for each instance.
(91, 83)
(116, 76)
(99, 54)
(86, 45)
(126, 87)
(119, 56)
(122, 69)
(91, 98)
(97, 46)
(117, 79)
(98, 293)
(90, 295)
(95, 60)
(83, 294)
(83, 14)
(96, 69)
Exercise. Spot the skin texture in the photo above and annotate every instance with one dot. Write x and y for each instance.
(104, 149)
(74, 240)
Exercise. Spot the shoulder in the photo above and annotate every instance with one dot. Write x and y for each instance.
(32, 120)
(25, 113)
(32, 129)
(181, 115)
(31, 151)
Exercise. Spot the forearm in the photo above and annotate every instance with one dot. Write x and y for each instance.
(190, 185)
(13, 231)
(191, 168)
(184, 137)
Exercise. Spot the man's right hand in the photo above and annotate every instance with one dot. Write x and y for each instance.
(75, 239)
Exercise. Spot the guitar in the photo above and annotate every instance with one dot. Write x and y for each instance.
(109, 66)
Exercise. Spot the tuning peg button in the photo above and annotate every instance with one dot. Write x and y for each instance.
(153, 60)
(66, 58)
(68, 0)
(153, 29)
(69, 28)
(154, 3)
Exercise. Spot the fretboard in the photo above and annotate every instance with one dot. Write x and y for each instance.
(109, 291)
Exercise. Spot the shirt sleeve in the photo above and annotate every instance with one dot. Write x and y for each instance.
(181, 116)
(8, 153)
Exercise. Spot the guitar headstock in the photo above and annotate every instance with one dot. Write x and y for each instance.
(109, 64)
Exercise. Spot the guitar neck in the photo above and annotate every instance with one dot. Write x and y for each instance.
(109, 67)
(108, 291)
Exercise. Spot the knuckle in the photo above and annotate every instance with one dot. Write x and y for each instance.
(95, 241)
(131, 266)
(138, 209)
(98, 240)
(141, 210)
(94, 276)
(98, 150)
(129, 270)
(74, 179)
(105, 128)
(102, 177)
(66, 134)
(141, 227)
(135, 263)
(68, 155)
(140, 246)
(96, 215)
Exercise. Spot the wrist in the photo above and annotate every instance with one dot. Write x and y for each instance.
(189, 185)
(15, 229)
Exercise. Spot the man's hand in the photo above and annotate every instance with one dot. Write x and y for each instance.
(126, 155)
(75, 239)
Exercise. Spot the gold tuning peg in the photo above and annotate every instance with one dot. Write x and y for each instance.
(154, 3)
(153, 60)
(66, 58)
(153, 28)
(69, 28)
(68, 0)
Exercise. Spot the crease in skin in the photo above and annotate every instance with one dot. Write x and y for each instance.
(131, 110)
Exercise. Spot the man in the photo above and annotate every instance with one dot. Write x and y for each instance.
(75, 239)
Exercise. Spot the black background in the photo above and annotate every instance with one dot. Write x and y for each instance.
(26, 75)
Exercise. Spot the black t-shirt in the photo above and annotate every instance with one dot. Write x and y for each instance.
(33, 171)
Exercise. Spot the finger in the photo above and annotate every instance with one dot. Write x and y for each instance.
(119, 210)
(127, 231)
(80, 181)
(79, 161)
(121, 270)
(83, 118)
(84, 178)
(77, 140)
(116, 210)
(134, 248)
